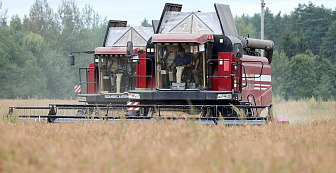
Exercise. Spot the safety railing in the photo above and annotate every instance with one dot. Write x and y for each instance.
(133, 60)
(250, 77)
(208, 76)
(84, 83)
(212, 76)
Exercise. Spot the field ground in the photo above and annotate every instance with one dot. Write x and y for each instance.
(305, 111)
(308, 144)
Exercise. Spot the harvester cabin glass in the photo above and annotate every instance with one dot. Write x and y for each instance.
(183, 72)
(114, 74)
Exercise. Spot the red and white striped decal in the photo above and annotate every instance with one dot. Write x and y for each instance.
(133, 108)
(77, 88)
(263, 82)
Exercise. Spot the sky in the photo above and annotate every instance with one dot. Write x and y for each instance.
(134, 11)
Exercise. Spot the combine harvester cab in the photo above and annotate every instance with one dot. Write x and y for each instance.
(231, 84)
(106, 81)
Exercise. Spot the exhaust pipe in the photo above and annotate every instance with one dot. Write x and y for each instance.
(266, 45)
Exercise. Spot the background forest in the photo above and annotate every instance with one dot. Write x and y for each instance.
(34, 50)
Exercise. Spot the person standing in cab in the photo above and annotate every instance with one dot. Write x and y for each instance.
(197, 70)
(182, 59)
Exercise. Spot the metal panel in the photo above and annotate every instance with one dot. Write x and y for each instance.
(170, 20)
(114, 34)
(102, 99)
(178, 95)
(114, 50)
(119, 36)
(211, 20)
(176, 38)
(224, 69)
(190, 22)
(168, 7)
(90, 78)
(226, 20)
(184, 26)
(141, 71)
(113, 23)
(155, 24)
(117, 23)
(144, 32)
(127, 36)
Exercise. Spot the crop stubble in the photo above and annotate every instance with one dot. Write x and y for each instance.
(166, 146)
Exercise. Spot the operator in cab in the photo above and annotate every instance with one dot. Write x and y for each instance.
(182, 59)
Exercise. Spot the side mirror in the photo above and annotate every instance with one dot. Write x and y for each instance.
(72, 59)
(129, 51)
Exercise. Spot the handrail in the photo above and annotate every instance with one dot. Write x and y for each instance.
(212, 76)
(133, 60)
(255, 103)
(211, 60)
(80, 78)
(262, 67)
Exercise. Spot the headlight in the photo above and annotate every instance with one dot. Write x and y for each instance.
(224, 96)
(133, 96)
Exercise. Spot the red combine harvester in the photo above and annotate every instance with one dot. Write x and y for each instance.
(231, 81)
(106, 81)
(194, 67)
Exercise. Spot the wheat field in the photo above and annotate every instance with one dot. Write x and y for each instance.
(307, 144)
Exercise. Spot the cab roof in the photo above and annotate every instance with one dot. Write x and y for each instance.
(116, 50)
(219, 22)
(180, 38)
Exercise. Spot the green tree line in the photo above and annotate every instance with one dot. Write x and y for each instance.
(305, 50)
(34, 50)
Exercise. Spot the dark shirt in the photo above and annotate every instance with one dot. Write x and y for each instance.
(179, 61)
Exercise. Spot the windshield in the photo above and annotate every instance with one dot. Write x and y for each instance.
(179, 66)
(114, 74)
